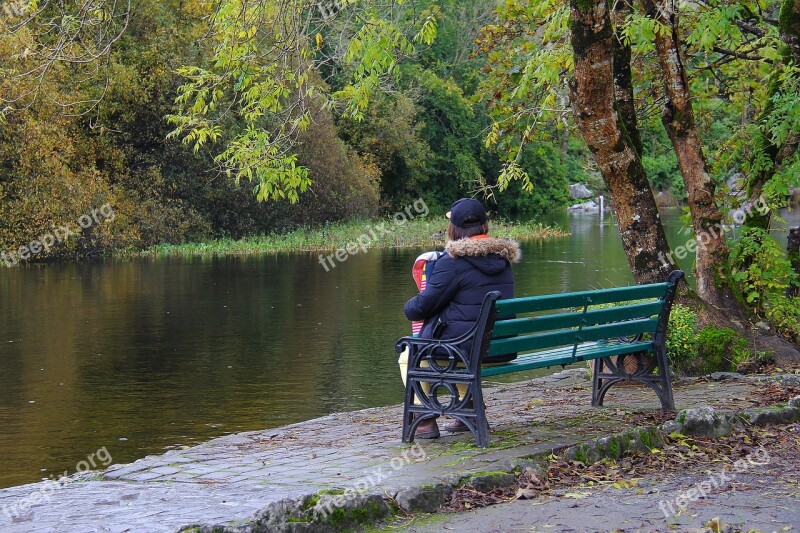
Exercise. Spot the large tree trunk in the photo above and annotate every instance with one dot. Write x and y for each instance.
(597, 114)
(793, 253)
(789, 28)
(623, 77)
(678, 118)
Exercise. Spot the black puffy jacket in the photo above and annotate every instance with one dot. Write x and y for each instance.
(459, 282)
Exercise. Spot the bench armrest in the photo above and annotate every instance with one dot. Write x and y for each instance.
(435, 351)
(462, 349)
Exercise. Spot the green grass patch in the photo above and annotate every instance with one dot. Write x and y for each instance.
(374, 234)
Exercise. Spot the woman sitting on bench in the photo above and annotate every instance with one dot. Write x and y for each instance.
(474, 264)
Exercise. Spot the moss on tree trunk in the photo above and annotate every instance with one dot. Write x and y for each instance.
(599, 114)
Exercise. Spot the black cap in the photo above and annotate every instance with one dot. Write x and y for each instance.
(465, 208)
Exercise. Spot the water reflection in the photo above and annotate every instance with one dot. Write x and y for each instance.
(143, 355)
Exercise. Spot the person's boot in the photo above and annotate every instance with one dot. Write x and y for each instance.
(428, 429)
(456, 426)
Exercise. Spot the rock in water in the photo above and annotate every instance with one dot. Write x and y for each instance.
(579, 190)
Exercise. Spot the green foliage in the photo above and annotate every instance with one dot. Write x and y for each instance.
(55, 168)
(763, 274)
(419, 232)
(46, 183)
(694, 352)
(372, 54)
(782, 122)
(260, 97)
(451, 54)
(733, 55)
(784, 314)
(262, 93)
(681, 339)
(343, 184)
(748, 104)
(389, 137)
(57, 42)
(659, 160)
(759, 265)
(524, 87)
(722, 350)
(717, 349)
(253, 92)
(549, 179)
(710, 349)
(451, 130)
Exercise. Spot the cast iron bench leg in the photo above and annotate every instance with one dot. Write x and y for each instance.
(602, 380)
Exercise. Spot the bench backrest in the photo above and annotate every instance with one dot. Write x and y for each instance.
(641, 309)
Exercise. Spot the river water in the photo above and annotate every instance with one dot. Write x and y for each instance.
(144, 355)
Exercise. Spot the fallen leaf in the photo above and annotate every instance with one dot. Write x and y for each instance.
(527, 493)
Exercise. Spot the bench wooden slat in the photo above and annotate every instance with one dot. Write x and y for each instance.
(516, 326)
(552, 339)
(583, 348)
(547, 302)
(563, 356)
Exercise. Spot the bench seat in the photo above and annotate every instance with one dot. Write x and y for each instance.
(564, 356)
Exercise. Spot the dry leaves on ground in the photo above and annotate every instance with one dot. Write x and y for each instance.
(680, 454)
(775, 393)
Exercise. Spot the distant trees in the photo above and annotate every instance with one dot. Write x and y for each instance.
(329, 111)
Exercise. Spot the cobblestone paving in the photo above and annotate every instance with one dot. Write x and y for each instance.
(230, 478)
(765, 498)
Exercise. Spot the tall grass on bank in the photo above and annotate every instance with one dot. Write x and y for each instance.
(422, 233)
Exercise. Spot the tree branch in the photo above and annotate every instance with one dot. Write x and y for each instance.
(749, 28)
(741, 55)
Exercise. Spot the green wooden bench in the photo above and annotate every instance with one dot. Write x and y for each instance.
(622, 330)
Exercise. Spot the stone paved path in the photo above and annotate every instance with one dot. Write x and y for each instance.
(230, 478)
(765, 498)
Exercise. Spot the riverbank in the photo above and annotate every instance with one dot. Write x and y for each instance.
(351, 467)
(415, 233)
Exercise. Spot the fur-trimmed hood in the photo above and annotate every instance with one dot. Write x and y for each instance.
(505, 248)
(458, 285)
